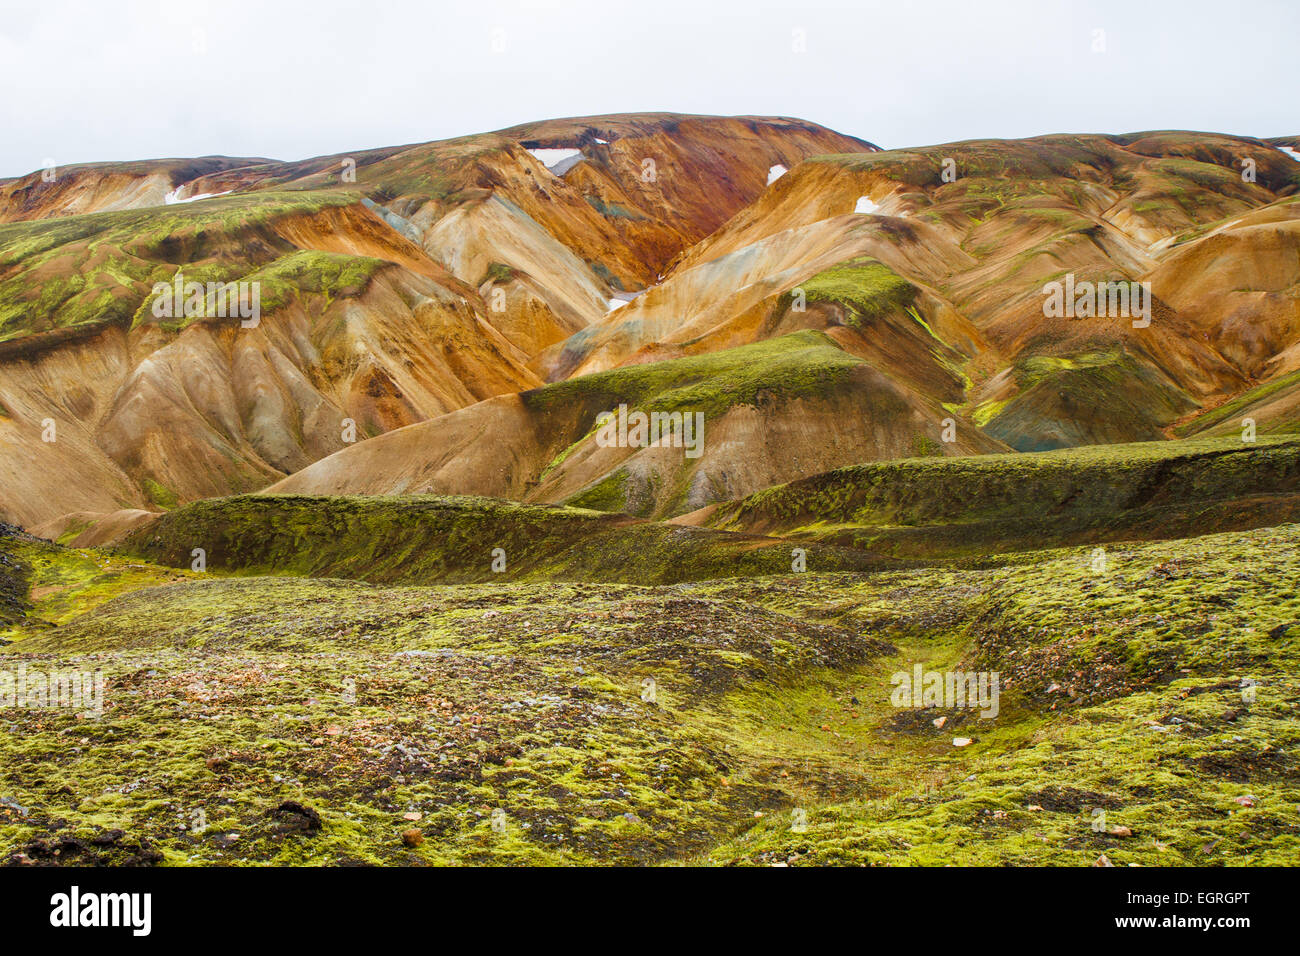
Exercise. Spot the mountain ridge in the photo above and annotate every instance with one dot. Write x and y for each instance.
(453, 274)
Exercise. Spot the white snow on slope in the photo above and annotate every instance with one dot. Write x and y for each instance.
(865, 205)
(620, 299)
(775, 173)
(551, 158)
(172, 199)
(1290, 152)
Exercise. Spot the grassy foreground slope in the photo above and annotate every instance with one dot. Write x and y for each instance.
(298, 720)
(960, 507)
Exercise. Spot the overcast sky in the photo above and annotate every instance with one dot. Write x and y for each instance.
(139, 79)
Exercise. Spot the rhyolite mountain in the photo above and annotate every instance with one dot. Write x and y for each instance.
(472, 305)
(478, 633)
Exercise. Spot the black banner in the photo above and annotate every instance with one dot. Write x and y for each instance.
(149, 906)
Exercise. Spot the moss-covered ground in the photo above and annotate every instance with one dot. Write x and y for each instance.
(1146, 714)
(1227, 418)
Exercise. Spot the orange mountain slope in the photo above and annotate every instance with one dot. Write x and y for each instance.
(817, 301)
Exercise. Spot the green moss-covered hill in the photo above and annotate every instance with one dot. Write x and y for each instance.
(966, 507)
(429, 539)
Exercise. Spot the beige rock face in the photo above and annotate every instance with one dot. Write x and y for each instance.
(1237, 285)
(553, 291)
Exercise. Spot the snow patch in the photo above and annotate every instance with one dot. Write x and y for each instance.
(865, 205)
(1290, 152)
(558, 161)
(603, 142)
(173, 197)
(775, 173)
(620, 299)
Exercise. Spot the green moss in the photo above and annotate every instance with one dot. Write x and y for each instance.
(328, 274)
(1036, 368)
(74, 529)
(865, 287)
(160, 495)
(803, 363)
(388, 708)
(608, 494)
(57, 584)
(1104, 397)
(924, 446)
(985, 412)
(497, 272)
(429, 539)
(1124, 695)
(99, 269)
(966, 507)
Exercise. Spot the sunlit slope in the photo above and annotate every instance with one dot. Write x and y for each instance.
(397, 285)
(770, 411)
(104, 404)
(1209, 222)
